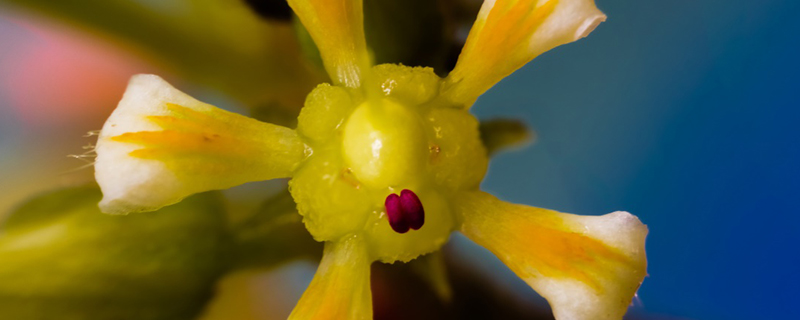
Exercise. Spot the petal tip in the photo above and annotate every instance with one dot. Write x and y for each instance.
(589, 24)
(625, 218)
(145, 78)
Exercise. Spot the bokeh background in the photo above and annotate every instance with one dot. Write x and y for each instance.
(683, 112)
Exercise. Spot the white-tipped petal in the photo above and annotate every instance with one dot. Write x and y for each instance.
(571, 20)
(161, 145)
(507, 34)
(587, 267)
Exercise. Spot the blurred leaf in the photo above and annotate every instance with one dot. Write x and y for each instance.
(273, 235)
(63, 259)
(501, 134)
(223, 44)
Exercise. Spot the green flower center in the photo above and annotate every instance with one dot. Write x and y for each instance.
(361, 150)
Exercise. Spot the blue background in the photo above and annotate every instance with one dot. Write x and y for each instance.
(684, 113)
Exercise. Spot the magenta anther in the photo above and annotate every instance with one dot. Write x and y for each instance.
(404, 211)
(394, 212)
(412, 208)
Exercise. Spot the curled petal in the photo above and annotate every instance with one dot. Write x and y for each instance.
(337, 27)
(340, 288)
(587, 267)
(509, 33)
(161, 145)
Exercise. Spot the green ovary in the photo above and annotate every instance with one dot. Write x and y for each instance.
(364, 149)
(384, 144)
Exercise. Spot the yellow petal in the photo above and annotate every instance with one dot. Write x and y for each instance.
(587, 267)
(161, 145)
(337, 27)
(509, 33)
(340, 289)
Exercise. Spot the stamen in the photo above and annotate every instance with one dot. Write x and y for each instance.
(412, 209)
(92, 133)
(394, 212)
(404, 211)
(88, 158)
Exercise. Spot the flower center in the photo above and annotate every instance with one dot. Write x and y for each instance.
(362, 149)
(384, 144)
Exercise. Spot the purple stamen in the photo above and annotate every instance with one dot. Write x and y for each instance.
(412, 209)
(395, 214)
(404, 211)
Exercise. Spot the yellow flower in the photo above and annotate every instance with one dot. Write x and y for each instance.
(385, 163)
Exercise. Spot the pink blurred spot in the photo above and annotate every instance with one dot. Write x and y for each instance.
(54, 77)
